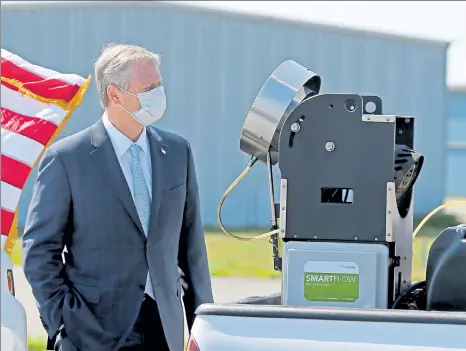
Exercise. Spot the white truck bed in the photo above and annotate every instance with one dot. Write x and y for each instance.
(265, 328)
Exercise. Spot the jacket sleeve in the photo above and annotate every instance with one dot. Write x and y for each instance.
(44, 240)
(192, 251)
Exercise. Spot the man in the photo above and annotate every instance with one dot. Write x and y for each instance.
(122, 197)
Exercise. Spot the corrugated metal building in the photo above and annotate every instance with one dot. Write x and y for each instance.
(214, 64)
(456, 154)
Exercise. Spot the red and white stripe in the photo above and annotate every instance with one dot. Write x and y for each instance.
(28, 124)
(39, 80)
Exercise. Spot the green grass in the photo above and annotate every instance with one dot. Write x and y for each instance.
(233, 258)
(229, 257)
(36, 344)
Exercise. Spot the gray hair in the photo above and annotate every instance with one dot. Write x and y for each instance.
(113, 67)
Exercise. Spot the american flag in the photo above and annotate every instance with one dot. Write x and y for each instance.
(36, 102)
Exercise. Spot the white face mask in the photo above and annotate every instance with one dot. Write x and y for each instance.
(153, 105)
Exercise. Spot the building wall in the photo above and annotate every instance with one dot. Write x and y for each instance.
(214, 64)
(456, 157)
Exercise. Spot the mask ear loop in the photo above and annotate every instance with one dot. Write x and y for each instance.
(127, 92)
(131, 113)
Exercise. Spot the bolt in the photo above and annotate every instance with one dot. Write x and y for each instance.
(295, 127)
(315, 236)
(389, 189)
(355, 238)
(276, 267)
(389, 212)
(368, 118)
(295, 236)
(283, 208)
(388, 234)
(407, 120)
(375, 239)
(283, 186)
(388, 119)
(329, 146)
(282, 231)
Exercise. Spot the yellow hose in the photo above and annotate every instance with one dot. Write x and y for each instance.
(219, 211)
(434, 211)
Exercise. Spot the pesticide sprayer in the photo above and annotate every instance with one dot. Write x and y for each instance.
(342, 230)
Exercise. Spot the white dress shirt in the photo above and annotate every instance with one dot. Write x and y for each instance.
(121, 144)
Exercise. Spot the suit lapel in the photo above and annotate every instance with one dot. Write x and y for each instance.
(158, 152)
(106, 161)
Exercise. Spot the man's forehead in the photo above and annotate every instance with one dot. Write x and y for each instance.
(145, 74)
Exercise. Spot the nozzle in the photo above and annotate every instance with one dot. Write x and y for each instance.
(252, 161)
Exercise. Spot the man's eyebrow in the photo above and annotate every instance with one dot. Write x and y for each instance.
(153, 86)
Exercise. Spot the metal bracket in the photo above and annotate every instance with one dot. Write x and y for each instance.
(391, 206)
(283, 192)
(378, 118)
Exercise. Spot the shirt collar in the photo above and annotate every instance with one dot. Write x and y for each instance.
(121, 143)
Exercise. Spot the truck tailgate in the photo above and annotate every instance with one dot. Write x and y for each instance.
(234, 327)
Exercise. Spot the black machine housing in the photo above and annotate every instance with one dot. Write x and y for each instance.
(446, 271)
(346, 189)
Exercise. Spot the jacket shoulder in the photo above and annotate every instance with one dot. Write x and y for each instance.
(170, 138)
(72, 143)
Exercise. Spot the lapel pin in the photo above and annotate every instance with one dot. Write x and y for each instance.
(163, 151)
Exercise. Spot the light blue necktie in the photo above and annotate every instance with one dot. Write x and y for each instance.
(142, 201)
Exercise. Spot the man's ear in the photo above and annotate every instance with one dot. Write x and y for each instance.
(113, 94)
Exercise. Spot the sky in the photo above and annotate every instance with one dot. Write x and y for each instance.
(442, 20)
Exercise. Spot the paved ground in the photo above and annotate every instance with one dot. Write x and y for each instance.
(225, 290)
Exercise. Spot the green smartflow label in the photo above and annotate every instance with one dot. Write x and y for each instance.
(331, 281)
